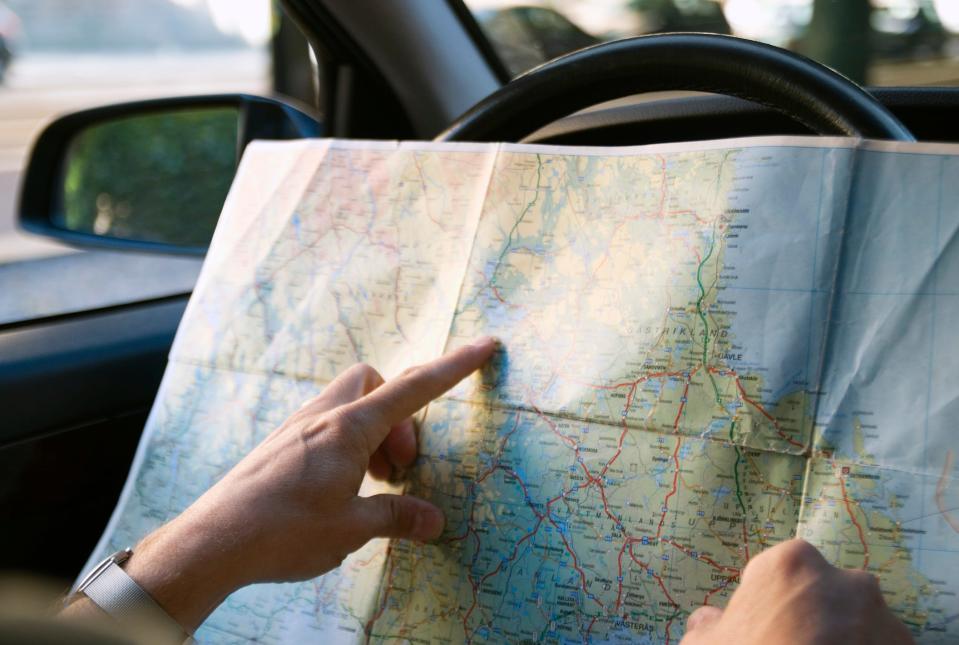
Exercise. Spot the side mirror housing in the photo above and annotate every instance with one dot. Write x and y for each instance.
(148, 175)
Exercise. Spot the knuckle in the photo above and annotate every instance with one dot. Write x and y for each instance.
(344, 417)
(795, 556)
(401, 521)
(864, 583)
(754, 568)
(370, 376)
(309, 407)
(312, 401)
(393, 511)
(361, 368)
(789, 559)
(348, 425)
(352, 416)
(412, 371)
(312, 425)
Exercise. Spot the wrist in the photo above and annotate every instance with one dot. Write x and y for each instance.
(186, 568)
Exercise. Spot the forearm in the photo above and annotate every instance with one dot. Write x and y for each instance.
(184, 566)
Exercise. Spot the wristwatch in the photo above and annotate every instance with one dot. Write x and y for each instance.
(110, 588)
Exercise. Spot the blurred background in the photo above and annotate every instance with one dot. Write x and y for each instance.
(64, 55)
(57, 56)
(874, 42)
(61, 55)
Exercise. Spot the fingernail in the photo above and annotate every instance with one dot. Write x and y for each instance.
(484, 342)
(428, 525)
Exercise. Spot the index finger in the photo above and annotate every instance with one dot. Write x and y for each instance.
(399, 398)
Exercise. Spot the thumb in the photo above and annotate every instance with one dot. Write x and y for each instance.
(399, 516)
(703, 618)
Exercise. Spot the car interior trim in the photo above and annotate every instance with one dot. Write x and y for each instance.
(423, 49)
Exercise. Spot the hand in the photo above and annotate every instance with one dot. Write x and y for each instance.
(790, 595)
(289, 510)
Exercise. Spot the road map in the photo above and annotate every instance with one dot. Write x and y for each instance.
(706, 349)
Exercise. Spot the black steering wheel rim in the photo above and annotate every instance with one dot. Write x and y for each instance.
(821, 99)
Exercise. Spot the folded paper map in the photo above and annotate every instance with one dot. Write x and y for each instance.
(707, 348)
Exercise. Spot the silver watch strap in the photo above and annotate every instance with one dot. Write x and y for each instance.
(117, 594)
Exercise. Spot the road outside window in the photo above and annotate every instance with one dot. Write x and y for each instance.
(107, 51)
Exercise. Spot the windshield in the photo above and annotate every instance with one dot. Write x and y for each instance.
(877, 42)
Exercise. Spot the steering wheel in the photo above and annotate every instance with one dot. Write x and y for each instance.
(812, 94)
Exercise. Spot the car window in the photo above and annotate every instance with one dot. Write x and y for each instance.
(108, 51)
(876, 42)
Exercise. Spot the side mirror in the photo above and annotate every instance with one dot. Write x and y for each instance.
(149, 175)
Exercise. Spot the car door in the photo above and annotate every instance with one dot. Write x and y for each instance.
(84, 334)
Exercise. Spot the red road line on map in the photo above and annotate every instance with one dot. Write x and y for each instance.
(655, 576)
(572, 553)
(745, 539)
(613, 235)
(475, 586)
(552, 426)
(591, 480)
(619, 576)
(661, 586)
(602, 494)
(591, 623)
(494, 572)
(471, 531)
(366, 234)
(662, 186)
(669, 626)
(619, 450)
(498, 295)
(941, 486)
(745, 397)
(466, 616)
(526, 496)
(712, 591)
(567, 440)
(706, 559)
(396, 302)
(695, 215)
(426, 202)
(682, 406)
(482, 478)
(852, 516)
(679, 441)
(622, 436)
(386, 593)
(633, 384)
(662, 518)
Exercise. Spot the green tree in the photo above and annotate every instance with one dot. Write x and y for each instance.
(159, 177)
(839, 36)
